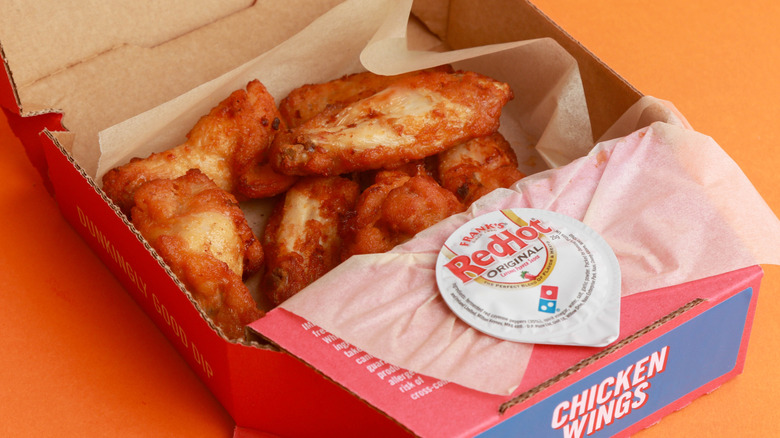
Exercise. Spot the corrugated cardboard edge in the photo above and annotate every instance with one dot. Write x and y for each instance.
(53, 137)
(9, 97)
(257, 338)
(504, 407)
(598, 356)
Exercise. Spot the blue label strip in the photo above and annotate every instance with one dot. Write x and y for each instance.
(640, 383)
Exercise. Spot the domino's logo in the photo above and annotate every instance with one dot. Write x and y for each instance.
(548, 299)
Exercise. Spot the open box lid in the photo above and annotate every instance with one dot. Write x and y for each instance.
(100, 64)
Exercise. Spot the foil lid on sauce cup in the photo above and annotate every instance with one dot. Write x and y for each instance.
(533, 276)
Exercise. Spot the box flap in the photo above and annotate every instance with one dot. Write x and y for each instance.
(99, 65)
(464, 23)
(46, 37)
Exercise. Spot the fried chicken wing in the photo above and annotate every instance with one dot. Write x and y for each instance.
(256, 177)
(202, 234)
(224, 144)
(302, 240)
(472, 169)
(305, 102)
(414, 117)
(401, 203)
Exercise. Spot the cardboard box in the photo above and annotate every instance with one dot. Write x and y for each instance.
(269, 390)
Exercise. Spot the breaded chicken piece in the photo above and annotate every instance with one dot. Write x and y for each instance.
(415, 117)
(201, 233)
(400, 204)
(301, 240)
(472, 169)
(224, 145)
(305, 102)
(256, 177)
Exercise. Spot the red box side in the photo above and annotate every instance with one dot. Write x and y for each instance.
(261, 389)
(7, 94)
(454, 410)
(120, 250)
(28, 130)
(638, 312)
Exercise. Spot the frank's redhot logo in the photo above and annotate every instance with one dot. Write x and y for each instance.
(517, 256)
(531, 275)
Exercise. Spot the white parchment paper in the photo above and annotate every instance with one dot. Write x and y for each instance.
(671, 204)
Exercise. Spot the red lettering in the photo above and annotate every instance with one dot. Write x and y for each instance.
(502, 247)
(482, 258)
(461, 266)
(527, 233)
(605, 416)
(657, 362)
(578, 405)
(639, 370)
(537, 224)
(623, 407)
(591, 422)
(503, 244)
(641, 395)
(575, 429)
(592, 396)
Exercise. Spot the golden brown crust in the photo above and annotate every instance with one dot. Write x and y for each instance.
(414, 117)
(224, 144)
(258, 179)
(305, 102)
(397, 134)
(301, 239)
(201, 233)
(472, 169)
(400, 204)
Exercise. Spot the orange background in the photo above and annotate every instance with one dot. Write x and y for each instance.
(78, 357)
